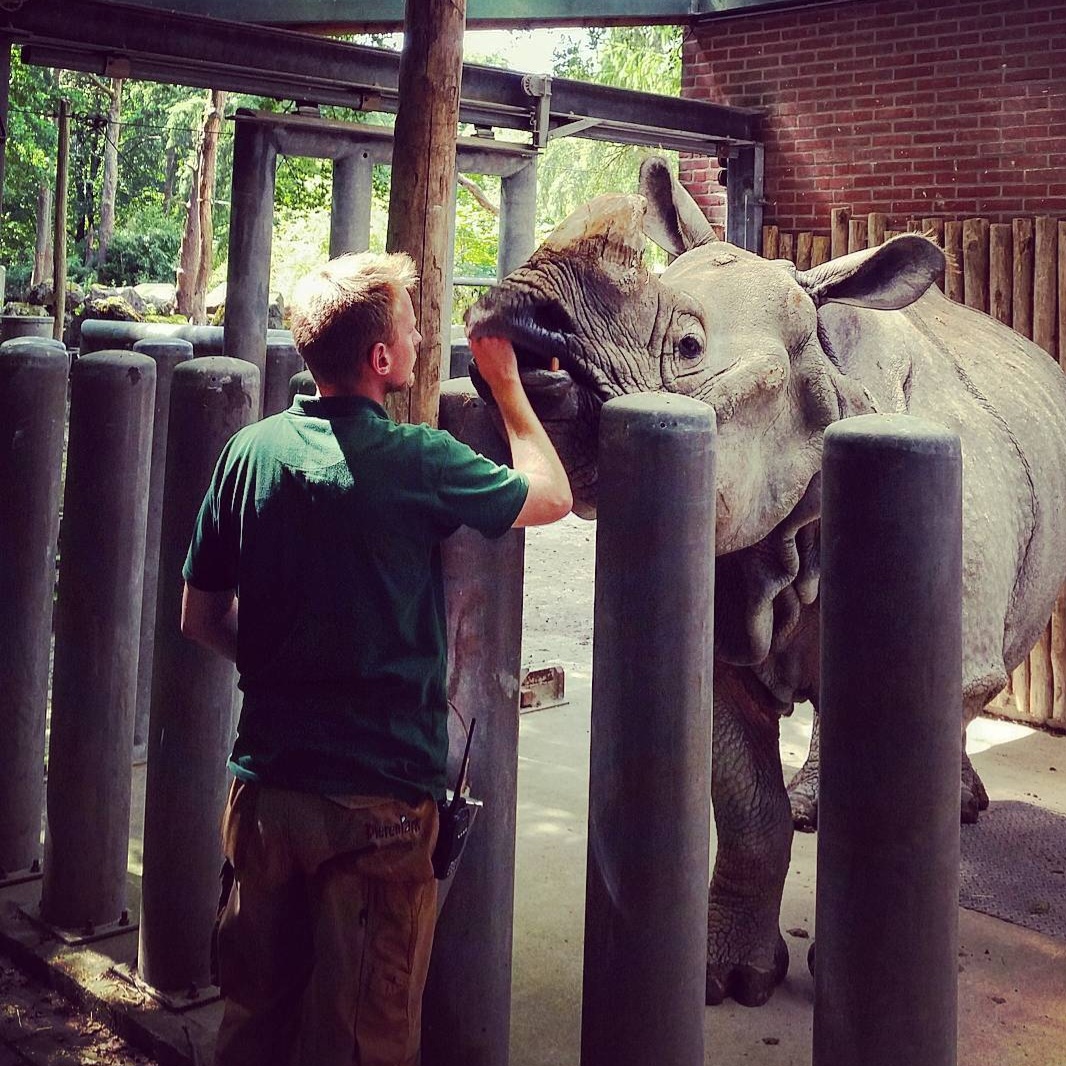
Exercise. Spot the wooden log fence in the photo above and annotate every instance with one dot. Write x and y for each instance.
(1015, 272)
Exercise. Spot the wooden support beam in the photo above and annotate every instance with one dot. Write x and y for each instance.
(423, 182)
(59, 242)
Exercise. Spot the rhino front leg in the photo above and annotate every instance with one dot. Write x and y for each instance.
(746, 955)
(803, 788)
(974, 795)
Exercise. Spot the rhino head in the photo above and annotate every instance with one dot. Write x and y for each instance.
(720, 324)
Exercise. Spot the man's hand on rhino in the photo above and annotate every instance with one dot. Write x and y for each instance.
(532, 453)
(496, 361)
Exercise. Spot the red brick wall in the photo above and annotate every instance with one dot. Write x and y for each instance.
(916, 108)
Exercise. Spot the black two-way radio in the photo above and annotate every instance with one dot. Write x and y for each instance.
(457, 814)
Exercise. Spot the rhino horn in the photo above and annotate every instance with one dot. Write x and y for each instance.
(608, 229)
(674, 221)
(886, 278)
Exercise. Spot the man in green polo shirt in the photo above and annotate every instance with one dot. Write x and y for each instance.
(321, 530)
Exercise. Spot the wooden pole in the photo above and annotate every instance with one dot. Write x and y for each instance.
(771, 242)
(1062, 293)
(1058, 617)
(1001, 271)
(820, 250)
(788, 247)
(858, 236)
(953, 271)
(804, 250)
(43, 260)
(423, 182)
(975, 263)
(1022, 316)
(1022, 322)
(933, 228)
(876, 228)
(5, 90)
(1051, 649)
(838, 222)
(59, 269)
(1045, 285)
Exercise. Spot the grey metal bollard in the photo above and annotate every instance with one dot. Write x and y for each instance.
(301, 384)
(467, 1006)
(97, 624)
(193, 694)
(282, 362)
(649, 781)
(33, 400)
(49, 342)
(886, 979)
(167, 354)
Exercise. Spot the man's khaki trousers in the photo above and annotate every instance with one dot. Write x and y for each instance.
(324, 940)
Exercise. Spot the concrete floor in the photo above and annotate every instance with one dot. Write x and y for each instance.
(1012, 982)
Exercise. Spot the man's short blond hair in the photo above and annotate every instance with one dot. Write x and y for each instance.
(342, 309)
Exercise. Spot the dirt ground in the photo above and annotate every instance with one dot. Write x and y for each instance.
(560, 567)
(39, 1026)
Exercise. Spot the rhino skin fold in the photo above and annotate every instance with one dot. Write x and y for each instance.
(886, 978)
(649, 774)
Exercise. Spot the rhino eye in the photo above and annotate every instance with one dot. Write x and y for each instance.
(690, 346)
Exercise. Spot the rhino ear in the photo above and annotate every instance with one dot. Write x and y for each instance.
(885, 278)
(674, 221)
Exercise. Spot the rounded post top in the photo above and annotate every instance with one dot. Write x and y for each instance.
(660, 410)
(898, 432)
(19, 343)
(217, 369)
(114, 363)
(159, 347)
(37, 352)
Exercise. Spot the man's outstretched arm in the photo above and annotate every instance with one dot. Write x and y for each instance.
(532, 453)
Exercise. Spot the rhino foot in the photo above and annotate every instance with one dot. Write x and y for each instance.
(974, 796)
(750, 983)
(803, 801)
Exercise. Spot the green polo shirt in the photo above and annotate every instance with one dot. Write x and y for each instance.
(327, 520)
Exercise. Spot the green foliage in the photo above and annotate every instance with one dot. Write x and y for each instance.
(476, 230)
(17, 280)
(144, 248)
(31, 151)
(572, 170)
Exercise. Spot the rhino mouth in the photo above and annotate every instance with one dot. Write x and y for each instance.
(542, 338)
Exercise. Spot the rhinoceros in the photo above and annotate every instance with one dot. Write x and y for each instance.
(780, 354)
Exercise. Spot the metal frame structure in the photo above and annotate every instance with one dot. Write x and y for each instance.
(351, 15)
(262, 136)
(127, 40)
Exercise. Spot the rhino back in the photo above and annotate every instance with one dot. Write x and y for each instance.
(1011, 416)
(1006, 399)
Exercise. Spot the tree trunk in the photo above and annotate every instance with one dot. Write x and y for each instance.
(109, 185)
(189, 257)
(197, 243)
(208, 170)
(59, 270)
(423, 182)
(169, 172)
(42, 252)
